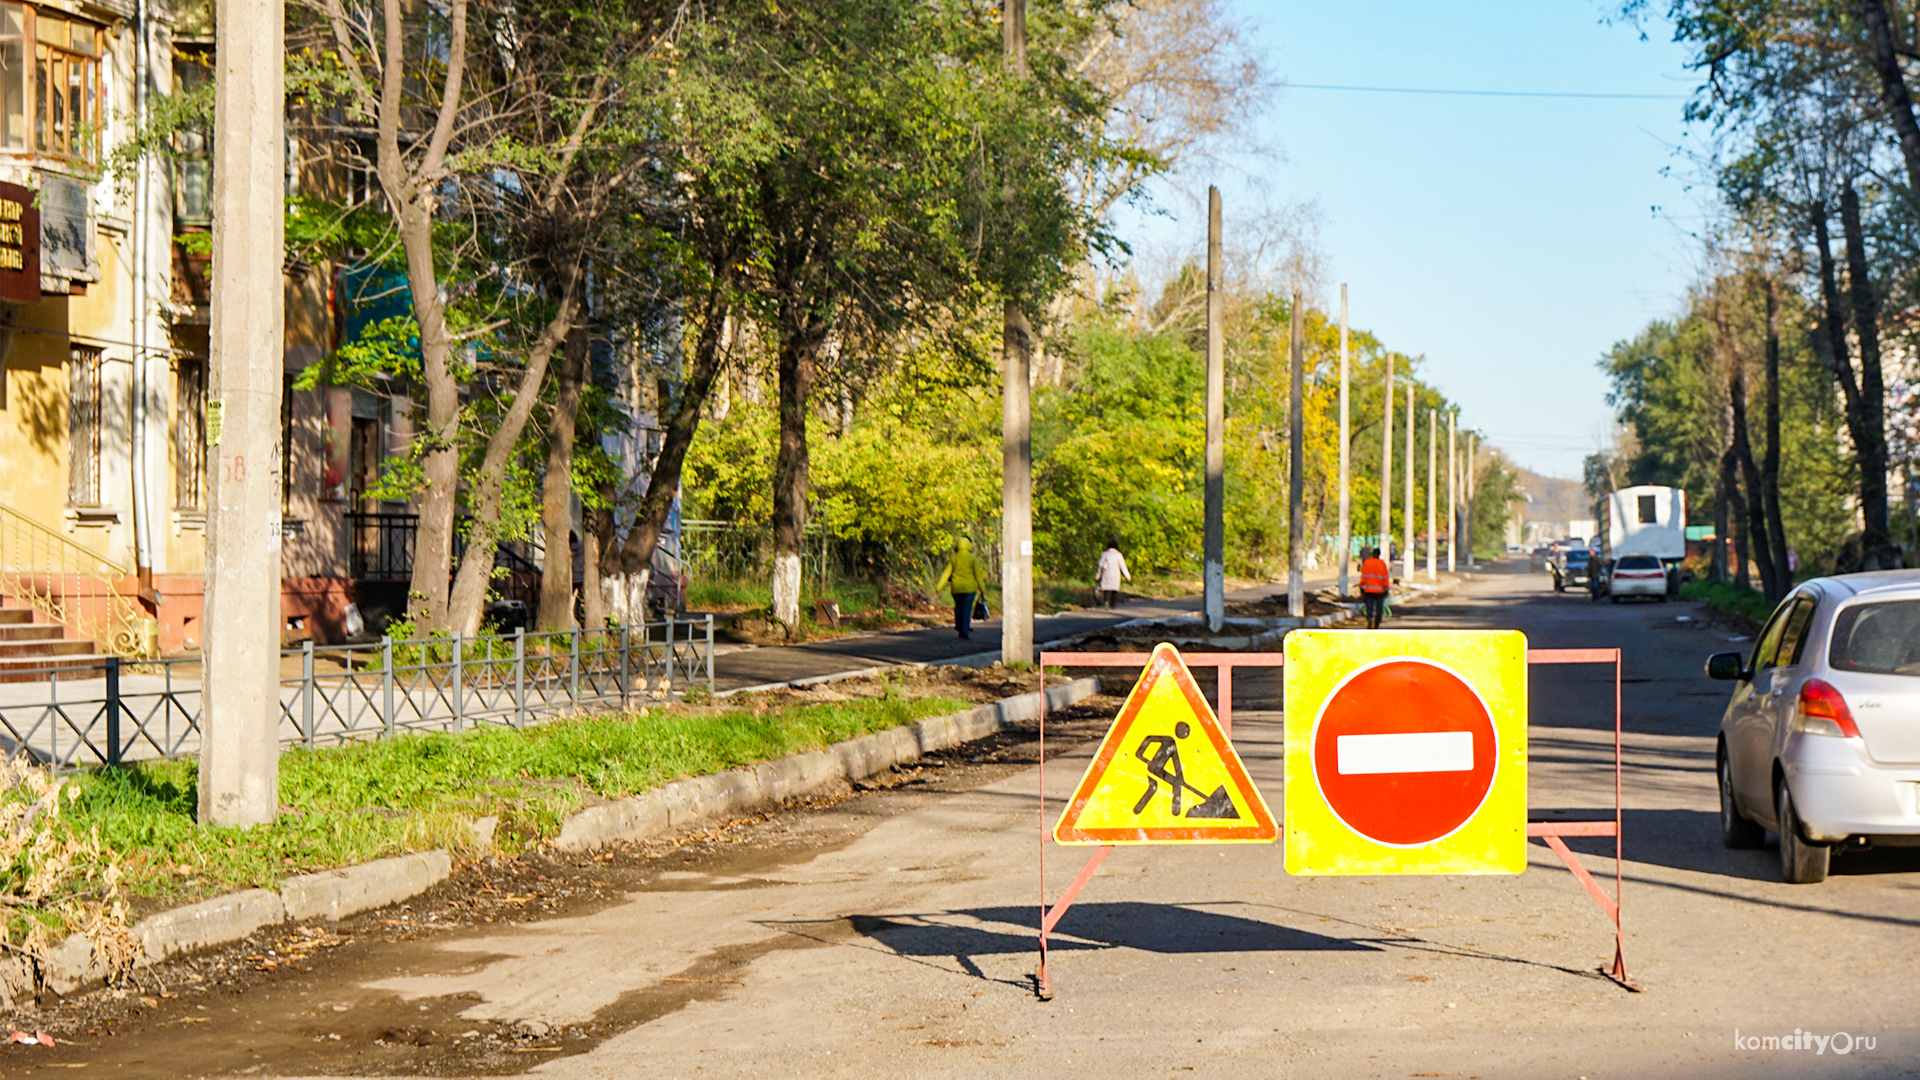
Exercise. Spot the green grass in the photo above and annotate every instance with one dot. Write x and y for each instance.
(368, 801)
(1730, 598)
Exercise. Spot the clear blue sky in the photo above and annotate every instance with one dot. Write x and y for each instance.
(1509, 240)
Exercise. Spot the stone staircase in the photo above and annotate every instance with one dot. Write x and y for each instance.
(29, 647)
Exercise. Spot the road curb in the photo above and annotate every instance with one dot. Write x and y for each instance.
(769, 783)
(336, 894)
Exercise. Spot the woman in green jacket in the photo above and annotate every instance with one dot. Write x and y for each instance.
(962, 577)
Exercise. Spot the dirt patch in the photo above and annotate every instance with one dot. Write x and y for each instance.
(978, 685)
(292, 1001)
(1275, 607)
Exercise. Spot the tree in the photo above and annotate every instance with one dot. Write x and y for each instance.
(498, 152)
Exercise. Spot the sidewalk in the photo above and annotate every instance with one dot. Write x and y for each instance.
(937, 645)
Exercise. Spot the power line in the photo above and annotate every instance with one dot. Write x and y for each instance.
(1485, 93)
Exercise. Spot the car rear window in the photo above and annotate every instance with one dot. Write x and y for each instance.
(1576, 557)
(1639, 562)
(1882, 638)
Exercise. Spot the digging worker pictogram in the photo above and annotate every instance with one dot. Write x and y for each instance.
(1161, 753)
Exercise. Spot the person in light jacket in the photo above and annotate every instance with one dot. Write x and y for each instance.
(962, 577)
(1112, 569)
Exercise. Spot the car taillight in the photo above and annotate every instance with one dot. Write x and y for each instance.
(1822, 711)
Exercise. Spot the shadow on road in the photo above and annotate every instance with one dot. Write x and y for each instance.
(1154, 928)
(1690, 840)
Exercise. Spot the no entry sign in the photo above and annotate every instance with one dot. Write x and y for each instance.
(1406, 752)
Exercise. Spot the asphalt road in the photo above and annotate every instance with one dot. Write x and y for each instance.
(905, 947)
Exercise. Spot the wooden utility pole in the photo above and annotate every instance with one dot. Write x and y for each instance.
(1406, 544)
(1016, 428)
(1433, 502)
(1296, 450)
(1453, 489)
(1386, 467)
(1346, 497)
(1214, 543)
(240, 700)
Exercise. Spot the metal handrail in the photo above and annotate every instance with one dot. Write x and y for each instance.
(36, 566)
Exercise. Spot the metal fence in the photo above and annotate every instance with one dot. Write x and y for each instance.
(114, 711)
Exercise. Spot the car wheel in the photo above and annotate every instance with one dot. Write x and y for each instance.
(1615, 599)
(1736, 830)
(1801, 861)
(1663, 598)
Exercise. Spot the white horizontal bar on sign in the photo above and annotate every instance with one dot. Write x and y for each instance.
(1414, 751)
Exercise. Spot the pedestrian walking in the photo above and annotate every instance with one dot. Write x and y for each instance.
(1375, 580)
(1112, 569)
(962, 578)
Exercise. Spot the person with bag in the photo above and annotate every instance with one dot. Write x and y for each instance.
(1112, 568)
(962, 578)
(1375, 580)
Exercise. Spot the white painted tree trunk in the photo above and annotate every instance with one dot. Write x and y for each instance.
(626, 596)
(786, 590)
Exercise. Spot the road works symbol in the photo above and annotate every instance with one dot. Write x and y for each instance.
(1406, 752)
(1166, 773)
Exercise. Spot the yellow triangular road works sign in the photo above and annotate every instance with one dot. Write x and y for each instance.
(1166, 773)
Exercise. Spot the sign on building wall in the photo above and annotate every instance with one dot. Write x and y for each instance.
(66, 233)
(19, 245)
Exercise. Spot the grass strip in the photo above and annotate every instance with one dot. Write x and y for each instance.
(1730, 598)
(349, 804)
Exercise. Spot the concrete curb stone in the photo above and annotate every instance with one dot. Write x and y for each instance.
(209, 922)
(336, 894)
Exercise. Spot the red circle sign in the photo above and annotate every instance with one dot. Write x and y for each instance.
(1404, 751)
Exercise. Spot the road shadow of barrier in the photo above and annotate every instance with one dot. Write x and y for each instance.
(1167, 928)
(1690, 840)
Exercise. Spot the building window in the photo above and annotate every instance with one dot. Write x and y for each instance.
(83, 426)
(190, 435)
(286, 442)
(49, 100)
(193, 147)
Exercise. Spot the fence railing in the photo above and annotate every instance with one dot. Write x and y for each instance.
(70, 585)
(115, 712)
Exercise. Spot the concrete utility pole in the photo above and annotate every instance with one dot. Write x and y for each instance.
(1406, 544)
(1016, 429)
(1296, 482)
(1214, 542)
(1346, 497)
(1472, 446)
(240, 726)
(1453, 490)
(1386, 468)
(1433, 502)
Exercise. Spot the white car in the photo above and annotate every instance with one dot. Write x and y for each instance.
(1821, 741)
(1638, 575)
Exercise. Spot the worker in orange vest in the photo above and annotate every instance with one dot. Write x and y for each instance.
(1375, 580)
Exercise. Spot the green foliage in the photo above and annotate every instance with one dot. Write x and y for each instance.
(1117, 455)
(1670, 387)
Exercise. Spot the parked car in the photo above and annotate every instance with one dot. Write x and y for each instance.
(1820, 743)
(1570, 567)
(1637, 575)
(1540, 557)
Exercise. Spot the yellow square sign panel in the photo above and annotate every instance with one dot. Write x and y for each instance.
(1166, 773)
(1406, 751)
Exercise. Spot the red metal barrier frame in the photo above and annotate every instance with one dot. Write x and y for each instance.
(1551, 832)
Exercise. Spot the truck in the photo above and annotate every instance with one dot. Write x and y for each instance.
(1645, 520)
